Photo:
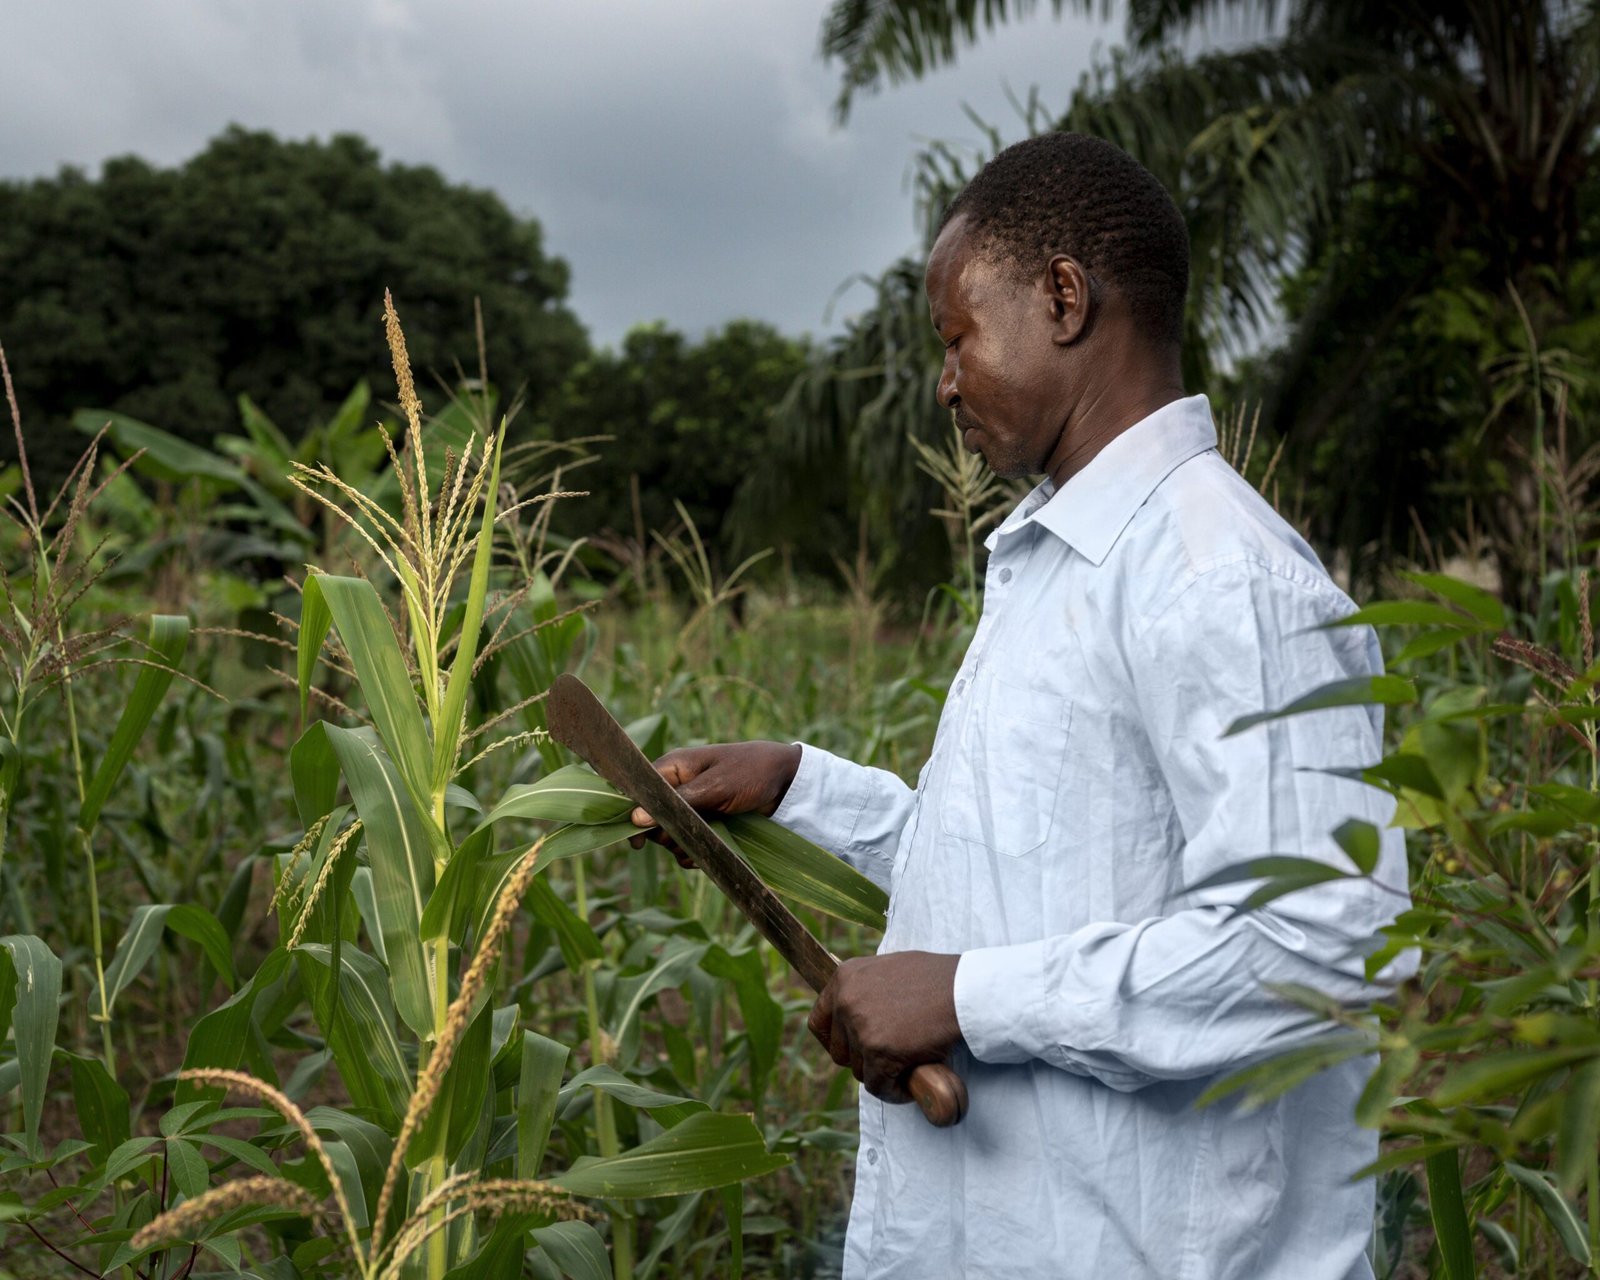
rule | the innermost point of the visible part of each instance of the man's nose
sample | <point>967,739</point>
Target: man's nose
<point>945,393</point>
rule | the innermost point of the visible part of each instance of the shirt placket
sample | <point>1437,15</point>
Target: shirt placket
<point>1008,554</point>
<point>1006,560</point>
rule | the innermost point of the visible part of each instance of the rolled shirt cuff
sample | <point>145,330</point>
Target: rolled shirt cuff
<point>998,991</point>
<point>825,803</point>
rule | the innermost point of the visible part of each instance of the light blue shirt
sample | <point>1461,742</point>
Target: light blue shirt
<point>1079,781</point>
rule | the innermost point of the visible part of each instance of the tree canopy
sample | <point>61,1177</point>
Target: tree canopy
<point>258,268</point>
<point>688,421</point>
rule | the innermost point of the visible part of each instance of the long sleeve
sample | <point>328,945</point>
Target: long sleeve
<point>1185,993</point>
<point>853,810</point>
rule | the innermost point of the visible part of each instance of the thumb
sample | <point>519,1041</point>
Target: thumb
<point>678,768</point>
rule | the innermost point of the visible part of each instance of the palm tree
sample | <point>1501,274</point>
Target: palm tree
<point>1348,178</point>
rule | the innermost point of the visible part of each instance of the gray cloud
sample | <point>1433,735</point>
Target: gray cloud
<point>681,156</point>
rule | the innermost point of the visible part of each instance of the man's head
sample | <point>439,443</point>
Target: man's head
<point>1062,261</point>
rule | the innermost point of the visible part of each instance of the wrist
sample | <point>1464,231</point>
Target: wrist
<point>786,775</point>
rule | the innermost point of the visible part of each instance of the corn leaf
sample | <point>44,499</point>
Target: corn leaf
<point>538,1086</point>
<point>572,794</point>
<point>368,1144</point>
<point>349,1173</point>
<point>169,638</point>
<point>1451,1226</point>
<point>1488,1077</point>
<point>450,904</point>
<point>1357,691</point>
<point>807,873</point>
<point>453,1116</point>
<point>314,772</point>
<point>789,864</point>
<point>399,848</point>
<point>1483,605</point>
<point>576,938</point>
<point>1579,1131</point>
<point>1414,613</point>
<point>1553,1205</point>
<point>707,1150</point>
<point>576,1248</point>
<point>669,1108</point>
<point>567,842</point>
<point>359,1027</point>
<point>315,621</point>
<point>381,671</point>
<point>139,943</point>
<point>219,1038</point>
<point>1430,642</point>
<point>31,974</point>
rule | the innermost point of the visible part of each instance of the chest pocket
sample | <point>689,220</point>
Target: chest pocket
<point>1001,787</point>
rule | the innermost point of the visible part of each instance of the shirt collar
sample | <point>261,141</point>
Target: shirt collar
<point>1092,509</point>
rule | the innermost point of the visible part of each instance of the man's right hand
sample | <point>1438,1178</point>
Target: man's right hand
<point>724,779</point>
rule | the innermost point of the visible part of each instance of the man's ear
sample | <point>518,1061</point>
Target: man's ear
<point>1071,299</point>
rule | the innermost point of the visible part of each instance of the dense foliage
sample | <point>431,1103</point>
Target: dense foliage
<point>462,1037</point>
<point>252,269</point>
<point>677,422</point>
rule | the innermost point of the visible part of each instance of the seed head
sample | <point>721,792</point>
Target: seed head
<point>280,1102</point>
<point>455,1026</point>
<point>181,1222</point>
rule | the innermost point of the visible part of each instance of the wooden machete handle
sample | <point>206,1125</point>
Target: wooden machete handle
<point>940,1093</point>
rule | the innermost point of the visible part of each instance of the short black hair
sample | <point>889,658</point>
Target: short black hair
<point>1080,195</point>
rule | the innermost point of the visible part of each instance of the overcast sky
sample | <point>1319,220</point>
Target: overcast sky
<point>681,154</point>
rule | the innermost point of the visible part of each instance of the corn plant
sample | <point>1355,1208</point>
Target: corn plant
<point>395,907</point>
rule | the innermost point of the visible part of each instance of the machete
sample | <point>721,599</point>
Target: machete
<point>579,721</point>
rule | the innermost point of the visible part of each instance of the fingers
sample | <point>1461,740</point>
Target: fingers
<point>881,1083</point>
<point>679,768</point>
<point>843,1021</point>
<point>820,1023</point>
<point>834,1033</point>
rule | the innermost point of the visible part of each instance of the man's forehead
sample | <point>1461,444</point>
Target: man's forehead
<point>947,260</point>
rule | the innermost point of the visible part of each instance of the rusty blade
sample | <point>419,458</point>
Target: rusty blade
<point>580,722</point>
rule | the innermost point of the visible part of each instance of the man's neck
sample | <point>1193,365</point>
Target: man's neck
<point>1118,400</point>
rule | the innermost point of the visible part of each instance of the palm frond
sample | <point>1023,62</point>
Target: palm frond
<point>898,40</point>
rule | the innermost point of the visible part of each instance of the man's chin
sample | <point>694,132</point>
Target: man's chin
<point>1009,468</point>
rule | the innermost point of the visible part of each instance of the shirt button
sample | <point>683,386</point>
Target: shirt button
<point>1005,575</point>
<point>872,1155</point>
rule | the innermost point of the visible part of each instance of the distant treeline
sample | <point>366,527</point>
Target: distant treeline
<point>257,269</point>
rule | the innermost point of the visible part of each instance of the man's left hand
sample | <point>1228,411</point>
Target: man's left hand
<point>883,1015</point>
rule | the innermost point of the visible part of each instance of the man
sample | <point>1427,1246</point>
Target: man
<point>1043,934</point>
